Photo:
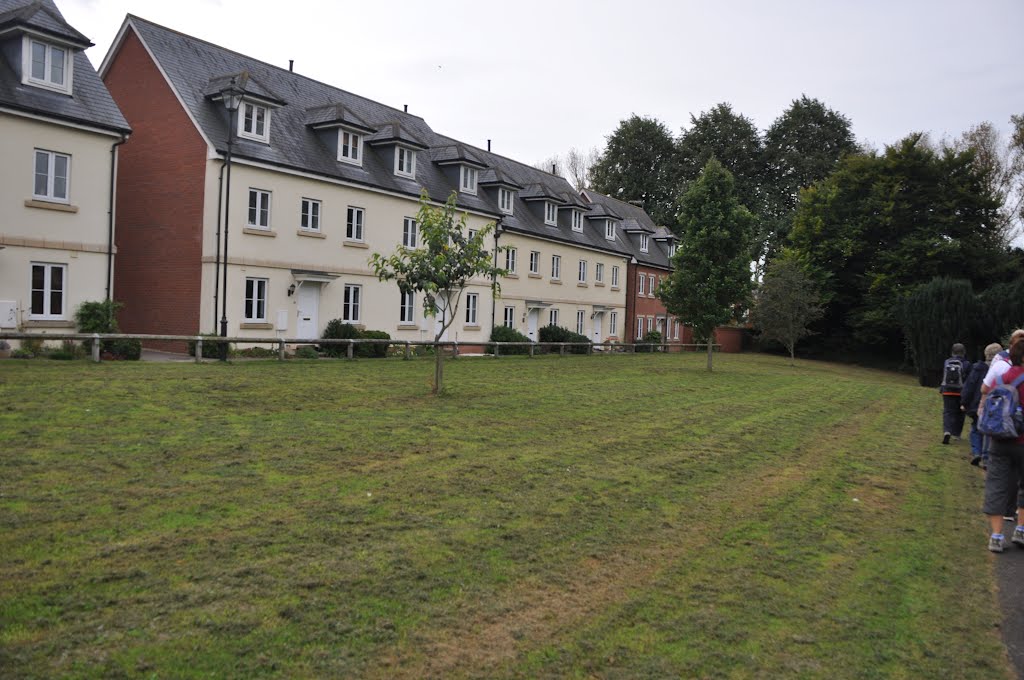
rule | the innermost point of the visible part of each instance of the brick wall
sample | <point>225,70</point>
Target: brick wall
<point>160,188</point>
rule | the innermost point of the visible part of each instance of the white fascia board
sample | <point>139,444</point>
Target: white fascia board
<point>60,121</point>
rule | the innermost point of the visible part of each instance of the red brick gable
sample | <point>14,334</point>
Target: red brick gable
<point>160,194</point>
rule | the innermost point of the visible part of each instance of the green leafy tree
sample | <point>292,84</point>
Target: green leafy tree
<point>638,165</point>
<point>934,316</point>
<point>880,225</point>
<point>786,302</point>
<point>441,267</point>
<point>712,263</point>
<point>801,147</point>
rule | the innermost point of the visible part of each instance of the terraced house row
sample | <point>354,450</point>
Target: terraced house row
<point>277,241</point>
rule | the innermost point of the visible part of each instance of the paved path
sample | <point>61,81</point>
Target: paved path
<point>1010,577</point>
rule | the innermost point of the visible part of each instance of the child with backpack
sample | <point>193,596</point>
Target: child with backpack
<point>1001,418</point>
<point>954,372</point>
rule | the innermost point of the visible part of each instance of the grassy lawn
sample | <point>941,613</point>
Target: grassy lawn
<point>624,516</point>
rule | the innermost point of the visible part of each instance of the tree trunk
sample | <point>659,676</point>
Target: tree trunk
<point>438,368</point>
<point>710,346</point>
<point>792,354</point>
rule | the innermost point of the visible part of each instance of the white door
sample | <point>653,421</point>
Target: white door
<point>307,299</point>
<point>598,323</point>
<point>531,324</point>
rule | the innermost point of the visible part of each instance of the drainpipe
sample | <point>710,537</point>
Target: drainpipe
<point>494,278</point>
<point>110,212</point>
<point>216,265</point>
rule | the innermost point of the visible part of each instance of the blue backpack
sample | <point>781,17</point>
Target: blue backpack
<point>1001,415</point>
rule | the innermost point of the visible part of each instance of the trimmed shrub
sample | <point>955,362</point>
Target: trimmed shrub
<point>338,330</point>
<point>211,346</point>
<point>257,353</point>
<point>306,352</point>
<point>652,337</point>
<point>559,334</point>
<point>128,349</point>
<point>376,350</point>
<point>506,334</point>
<point>934,316</point>
<point>98,317</point>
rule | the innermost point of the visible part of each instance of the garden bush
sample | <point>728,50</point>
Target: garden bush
<point>306,352</point>
<point>506,334</point>
<point>211,346</point>
<point>652,338</point>
<point>376,350</point>
<point>558,334</point>
<point>340,330</point>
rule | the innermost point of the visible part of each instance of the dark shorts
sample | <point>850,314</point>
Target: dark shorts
<point>1005,464</point>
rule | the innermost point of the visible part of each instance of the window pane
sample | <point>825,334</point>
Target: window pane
<point>38,61</point>
<point>252,207</point>
<point>60,176</point>
<point>261,119</point>
<point>42,173</point>
<point>57,65</point>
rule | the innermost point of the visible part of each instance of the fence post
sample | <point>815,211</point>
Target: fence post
<point>280,350</point>
<point>590,349</point>
<point>96,347</point>
<point>531,350</point>
<point>455,350</point>
<point>561,349</point>
<point>406,350</point>
<point>497,350</point>
<point>349,352</point>
<point>199,349</point>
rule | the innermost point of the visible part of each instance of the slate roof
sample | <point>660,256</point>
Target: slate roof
<point>89,103</point>
<point>192,64</point>
<point>636,222</point>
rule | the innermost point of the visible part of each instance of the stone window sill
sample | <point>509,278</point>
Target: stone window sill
<point>50,205</point>
<point>536,276</point>
<point>582,285</point>
<point>511,275</point>
<point>599,283</point>
<point>48,323</point>
<point>471,327</point>
<point>354,244</point>
<point>557,282</point>
<point>309,233</point>
<point>260,326</point>
<point>259,232</point>
<point>408,327</point>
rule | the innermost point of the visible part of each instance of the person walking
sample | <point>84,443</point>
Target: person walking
<point>954,370</point>
<point>1005,463</point>
<point>970,398</point>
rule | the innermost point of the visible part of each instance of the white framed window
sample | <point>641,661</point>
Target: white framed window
<point>351,307</point>
<point>580,320</point>
<point>310,215</point>
<point>535,262</point>
<point>510,260</point>
<point>467,179</point>
<point>49,281</point>
<point>675,325</point>
<point>552,317</point>
<point>613,323</point>
<point>650,324</point>
<point>550,214</point>
<point>599,272</point>
<point>46,65</point>
<point>410,233</point>
<point>609,230</point>
<point>556,267</point>
<point>472,301</point>
<point>254,122</point>
<point>51,176</point>
<point>643,243</point>
<point>615,277</point>
<point>577,221</point>
<point>471,233</point>
<point>650,286</point>
<point>350,147</point>
<point>505,201</point>
<point>660,325</point>
<point>582,278</point>
<point>671,249</point>
<point>639,327</point>
<point>259,209</point>
<point>642,285</point>
<point>255,300</point>
<point>354,224</point>
<point>510,317</point>
<point>405,162</point>
<point>407,306</point>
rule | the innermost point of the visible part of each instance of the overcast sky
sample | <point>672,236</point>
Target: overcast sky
<point>540,77</point>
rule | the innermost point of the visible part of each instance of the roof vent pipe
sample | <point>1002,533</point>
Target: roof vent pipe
<point>488,146</point>
<point>291,65</point>
<point>406,108</point>
<point>553,169</point>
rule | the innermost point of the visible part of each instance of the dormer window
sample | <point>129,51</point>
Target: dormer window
<point>609,230</point>
<point>350,147</point>
<point>505,201</point>
<point>643,243</point>
<point>551,214</point>
<point>467,180</point>
<point>405,162</point>
<point>671,249</point>
<point>254,122</point>
<point>577,221</point>
<point>46,65</point>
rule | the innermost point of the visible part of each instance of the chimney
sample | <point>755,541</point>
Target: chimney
<point>553,166</point>
<point>291,65</point>
<point>406,108</point>
<point>488,146</point>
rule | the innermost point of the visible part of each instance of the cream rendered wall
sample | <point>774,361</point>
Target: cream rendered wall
<point>72,233</point>
<point>274,253</point>
<point>565,294</point>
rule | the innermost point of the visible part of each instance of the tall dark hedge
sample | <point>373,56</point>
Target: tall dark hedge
<point>1000,312</point>
<point>936,315</point>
